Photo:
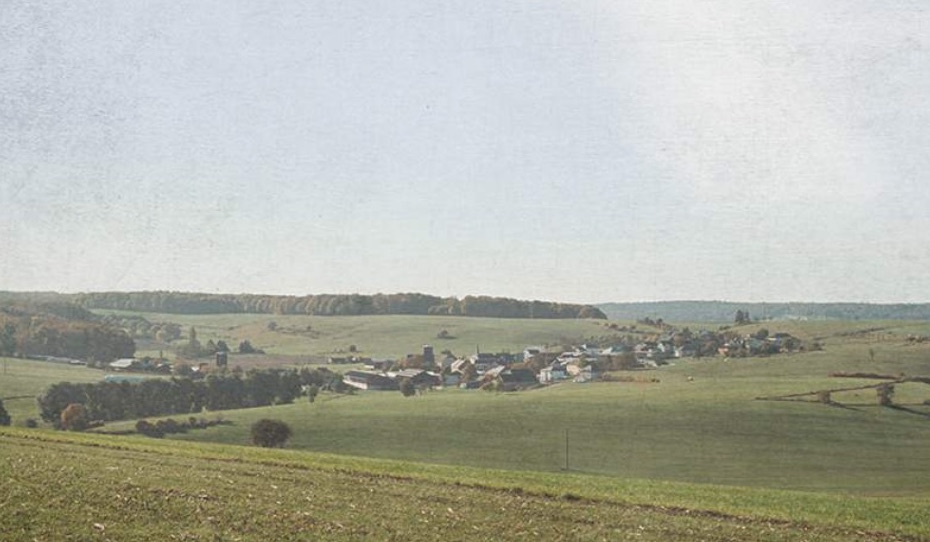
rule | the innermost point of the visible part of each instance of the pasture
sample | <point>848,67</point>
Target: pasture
<point>701,423</point>
<point>21,380</point>
<point>638,452</point>
<point>147,490</point>
<point>374,336</point>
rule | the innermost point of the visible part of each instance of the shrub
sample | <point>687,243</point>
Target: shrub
<point>74,417</point>
<point>495,385</point>
<point>270,433</point>
<point>885,394</point>
<point>170,426</point>
<point>144,427</point>
<point>31,423</point>
<point>407,388</point>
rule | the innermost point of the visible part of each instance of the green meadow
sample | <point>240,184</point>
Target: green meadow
<point>376,336</point>
<point>22,380</point>
<point>64,486</point>
<point>701,434</point>
<point>710,429</point>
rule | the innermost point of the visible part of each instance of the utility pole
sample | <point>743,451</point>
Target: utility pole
<point>566,449</point>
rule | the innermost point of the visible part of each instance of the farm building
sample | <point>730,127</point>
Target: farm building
<point>368,380</point>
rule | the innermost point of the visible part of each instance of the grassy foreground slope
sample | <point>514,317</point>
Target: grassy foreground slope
<point>86,487</point>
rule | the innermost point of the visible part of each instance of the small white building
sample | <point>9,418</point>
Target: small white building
<point>124,364</point>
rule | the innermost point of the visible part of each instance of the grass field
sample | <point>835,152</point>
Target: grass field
<point>700,423</point>
<point>84,487</point>
<point>638,453</point>
<point>22,380</point>
<point>377,336</point>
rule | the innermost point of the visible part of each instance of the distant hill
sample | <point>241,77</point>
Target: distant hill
<point>725,311</point>
<point>318,305</point>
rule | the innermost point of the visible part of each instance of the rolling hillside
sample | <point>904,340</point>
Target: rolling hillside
<point>153,491</point>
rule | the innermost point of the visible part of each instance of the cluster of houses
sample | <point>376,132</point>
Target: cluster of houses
<point>448,371</point>
<point>505,370</point>
<point>537,366</point>
<point>534,366</point>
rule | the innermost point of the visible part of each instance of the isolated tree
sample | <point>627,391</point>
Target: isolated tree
<point>74,417</point>
<point>312,391</point>
<point>245,347</point>
<point>4,415</point>
<point>885,394</point>
<point>270,433</point>
<point>407,388</point>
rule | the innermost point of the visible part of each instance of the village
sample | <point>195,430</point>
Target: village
<point>629,349</point>
<point>539,366</point>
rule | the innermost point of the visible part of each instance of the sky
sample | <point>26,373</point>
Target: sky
<point>576,151</point>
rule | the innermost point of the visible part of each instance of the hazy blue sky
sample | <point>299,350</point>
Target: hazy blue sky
<point>567,150</point>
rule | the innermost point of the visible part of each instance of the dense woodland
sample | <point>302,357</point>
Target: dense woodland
<point>60,330</point>
<point>320,305</point>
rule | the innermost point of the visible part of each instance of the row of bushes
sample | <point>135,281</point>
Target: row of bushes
<point>169,426</point>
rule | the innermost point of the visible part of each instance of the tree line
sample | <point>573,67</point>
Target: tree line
<point>723,311</point>
<point>332,305</point>
<point>110,401</point>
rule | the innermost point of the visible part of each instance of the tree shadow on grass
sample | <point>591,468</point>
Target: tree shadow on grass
<point>841,405</point>
<point>903,408</point>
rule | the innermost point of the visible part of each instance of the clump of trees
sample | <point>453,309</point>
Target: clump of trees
<point>245,347</point>
<point>108,401</point>
<point>8,340</point>
<point>269,433</point>
<point>742,318</point>
<point>35,334</point>
<point>140,328</point>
